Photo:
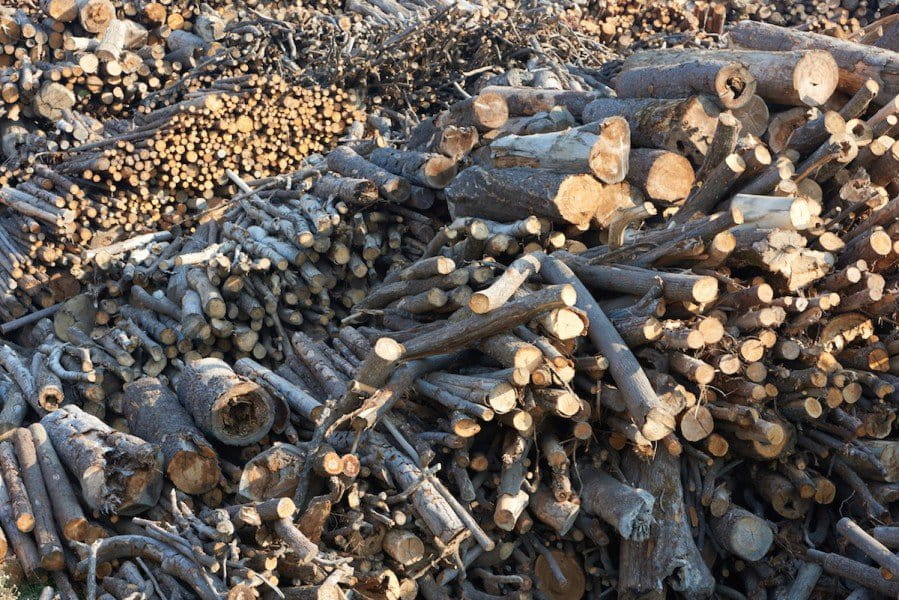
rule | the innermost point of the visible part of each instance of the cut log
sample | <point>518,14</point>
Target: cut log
<point>857,63</point>
<point>525,101</point>
<point>509,194</point>
<point>155,414</point>
<point>48,545</point>
<point>681,73</point>
<point>627,509</point>
<point>119,473</point>
<point>225,405</point>
<point>600,149</point>
<point>743,533</point>
<point>660,175</point>
<point>66,509</point>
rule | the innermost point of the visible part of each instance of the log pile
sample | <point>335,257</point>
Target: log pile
<point>547,342</point>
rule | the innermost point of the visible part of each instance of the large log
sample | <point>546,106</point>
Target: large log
<point>155,414</point>
<point>796,78</point>
<point>118,473</point>
<point>225,406</point>
<point>857,62</point>
<point>509,194</point>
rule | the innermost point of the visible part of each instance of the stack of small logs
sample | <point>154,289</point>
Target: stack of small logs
<point>559,343</point>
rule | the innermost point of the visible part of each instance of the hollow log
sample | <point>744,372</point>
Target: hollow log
<point>225,405</point>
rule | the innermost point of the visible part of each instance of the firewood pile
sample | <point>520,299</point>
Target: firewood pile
<point>574,335</point>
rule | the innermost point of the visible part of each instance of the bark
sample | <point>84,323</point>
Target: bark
<point>349,164</point>
<point>433,171</point>
<point>484,112</point>
<point>225,406</point>
<point>516,193</point>
<point>21,543</point>
<point>118,473</point>
<point>15,486</point>
<point>155,414</point>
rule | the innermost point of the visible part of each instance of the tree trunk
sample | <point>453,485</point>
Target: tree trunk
<point>49,548</point>
<point>678,74</point>
<point>669,558</point>
<point>857,63</point>
<point>627,509</point>
<point>660,175</point>
<point>66,509</point>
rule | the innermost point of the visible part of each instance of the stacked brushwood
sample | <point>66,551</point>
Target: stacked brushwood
<point>156,172</point>
<point>560,342</point>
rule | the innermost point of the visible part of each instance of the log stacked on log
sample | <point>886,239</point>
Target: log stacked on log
<point>585,379</point>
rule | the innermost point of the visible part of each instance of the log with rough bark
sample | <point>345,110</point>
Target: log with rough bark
<point>857,63</point>
<point>118,473</point>
<point>155,414</point>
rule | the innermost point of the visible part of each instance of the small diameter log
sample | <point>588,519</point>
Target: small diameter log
<point>517,193</point>
<point>155,414</point>
<point>225,405</point>
<point>685,126</point>
<point>773,212</point>
<point>15,486</point>
<point>652,418</point>
<point>119,473</point>
<point>48,545</point>
<point>678,74</point>
<point>598,148</point>
<point>505,285</point>
<point>743,533</point>
<point>857,63</point>
<point>348,163</point>
<point>66,509</point>
<point>302,547</point>
<point>403,546</point>
<point>558,515</point>
<point>377,367</point>
<point>627,509</point>
<point>872,548</point>
<point>21,543</point>
<point>660,175</point>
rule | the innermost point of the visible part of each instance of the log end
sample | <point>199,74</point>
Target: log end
<point>577,199</point>
<point>192,472</point>
<point>243,415</point>
<point>490,110</point>
<point>735,85</point>
<point>815,77</point>
<point>750,538</point>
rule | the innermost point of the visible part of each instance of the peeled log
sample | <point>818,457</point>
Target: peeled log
<point>225,405</point>
<point>119,473</point>
<point>571,151</point>
<point>154,414</point>
<point>518,193</point>
<point>685,126</point>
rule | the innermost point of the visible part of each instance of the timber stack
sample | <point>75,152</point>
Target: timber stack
<point>555,343</point>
